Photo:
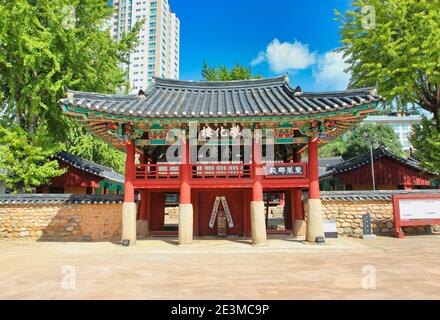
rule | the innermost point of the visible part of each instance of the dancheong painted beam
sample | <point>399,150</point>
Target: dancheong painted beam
<point>266,103</point>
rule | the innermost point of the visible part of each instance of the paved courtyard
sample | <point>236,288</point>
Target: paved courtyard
<point>221,269</point>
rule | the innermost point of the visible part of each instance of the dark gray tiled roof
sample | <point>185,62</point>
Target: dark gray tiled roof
<point>198,99</point>
<point>369,195</point>
<point>325,163</point>
<point>90,167</point>
<point>58,199</point>
<point>365,159</point>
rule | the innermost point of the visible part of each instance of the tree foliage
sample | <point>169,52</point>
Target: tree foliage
<point>23,159</point>
<point>47,45</point>
<point>395,44</point>
<point>358,141</point>
<point>222,73</point>
<point>89,147</point>
<point>426,140</point>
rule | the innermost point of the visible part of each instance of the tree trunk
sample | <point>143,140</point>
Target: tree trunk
<point>436,119</point>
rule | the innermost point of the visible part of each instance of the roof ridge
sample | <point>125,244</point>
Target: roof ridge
<point>215,84</point>
<point>365,157</point>
<point>369,90</point>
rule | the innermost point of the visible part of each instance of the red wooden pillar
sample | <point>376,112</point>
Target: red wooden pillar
<point>296,196</point>
<point>315,223</point>
<point>144,207</point>
<point>258,221</point>
<point>297,206</point>
<point>195,200</point>
<point>314,192</point>
<point>185,188</point>
<point>247,213</point>
<point>257,170</point>
<point>186,211</point>
<point>130,172</point>
<point>129,210</point>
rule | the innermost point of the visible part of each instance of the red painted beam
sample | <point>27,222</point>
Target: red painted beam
<point>130,172</point>
<point>314,192</point>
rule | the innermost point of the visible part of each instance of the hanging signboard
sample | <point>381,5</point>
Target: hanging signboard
<point>214,212</point>
<point>415,210</point>
<point>225,208</point>
<point>227,212</point>
<point>293,170</point>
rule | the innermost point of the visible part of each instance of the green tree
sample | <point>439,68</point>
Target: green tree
<point>397,46</point>
<point>91,148</point>
<point>358,141</point>
<point>426,140</point>
<point>222,73</point>
<point>47,45</point>
<point>23,160</point>
<point>335,148</point>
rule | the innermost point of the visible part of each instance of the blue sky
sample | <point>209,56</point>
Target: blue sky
<point>276,37</point>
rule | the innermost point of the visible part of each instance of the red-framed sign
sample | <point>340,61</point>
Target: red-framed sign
<point>286,170</point>
<point>415,210</point>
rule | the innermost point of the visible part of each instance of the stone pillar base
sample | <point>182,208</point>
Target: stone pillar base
<point>299,228</point>
<point>143,230</point>
<point>258,223</point>
<point>186,224</point>
<point>129,222</point>
<point>315,223</point>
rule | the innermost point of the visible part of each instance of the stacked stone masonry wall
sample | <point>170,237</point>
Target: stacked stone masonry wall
<point>68,222</point>
<point>103,222</point>
<point>348,216</point>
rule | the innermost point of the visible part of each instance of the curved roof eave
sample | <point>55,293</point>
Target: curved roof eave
<point>260,97</point>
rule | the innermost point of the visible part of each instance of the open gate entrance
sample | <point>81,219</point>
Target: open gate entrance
<point>221,212</point>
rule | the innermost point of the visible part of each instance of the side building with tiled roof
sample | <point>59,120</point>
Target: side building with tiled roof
<point>391,172</point>
<point>83,177</point>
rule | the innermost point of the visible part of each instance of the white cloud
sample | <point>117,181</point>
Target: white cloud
<point>258,59</point>
<point>330,71</point>
<point>286,56</point>
<point>328,68</point>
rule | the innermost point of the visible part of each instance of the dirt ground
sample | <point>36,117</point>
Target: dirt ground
<point>385,268</point>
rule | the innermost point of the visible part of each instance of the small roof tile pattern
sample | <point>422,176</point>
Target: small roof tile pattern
<point>90,167</point>
<point>325,163</point>
<point>202,99</point>
<point>369,195</point>
<point>12,199</point>
<point>365,159</point>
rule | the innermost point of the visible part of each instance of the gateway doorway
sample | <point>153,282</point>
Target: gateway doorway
<point>221,213</point>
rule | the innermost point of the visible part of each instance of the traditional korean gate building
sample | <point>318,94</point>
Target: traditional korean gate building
<point>245,118</point>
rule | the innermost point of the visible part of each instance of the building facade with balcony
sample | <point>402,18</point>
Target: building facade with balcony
<point>157,53</point>
<point>222,152</point>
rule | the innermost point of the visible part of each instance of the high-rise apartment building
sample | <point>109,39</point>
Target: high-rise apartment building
<point>157,53</point>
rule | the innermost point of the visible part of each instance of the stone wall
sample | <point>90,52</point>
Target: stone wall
<point>98,218</point>
<point>83,219</point>
<point>349,216</point>
<point>348,208</point>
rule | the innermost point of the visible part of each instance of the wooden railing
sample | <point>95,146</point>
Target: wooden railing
<point>221,171</point>
<point>157,171</point>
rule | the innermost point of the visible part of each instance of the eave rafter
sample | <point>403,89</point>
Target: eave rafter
<point>256,104</point>
<point>344,121</point>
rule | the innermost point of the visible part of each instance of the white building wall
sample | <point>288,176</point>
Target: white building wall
<point>153,57</point>
<point>401,125</point>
